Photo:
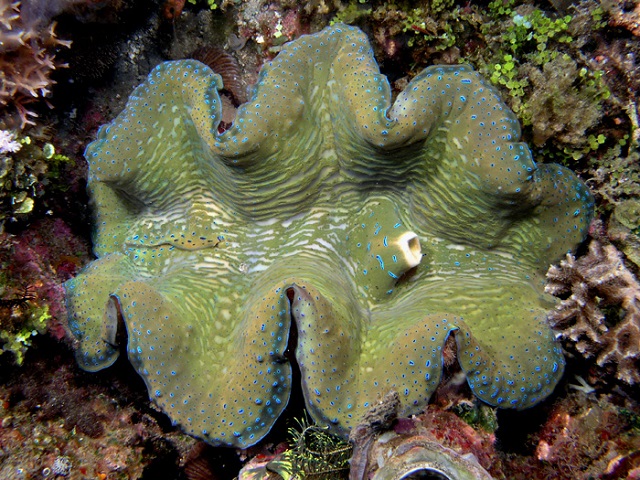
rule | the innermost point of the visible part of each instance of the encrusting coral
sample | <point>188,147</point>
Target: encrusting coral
<point>379,229</point>
<point>596,281</point>
<point>26,59</point>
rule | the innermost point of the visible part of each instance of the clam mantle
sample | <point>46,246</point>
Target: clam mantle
<point>378,229</point>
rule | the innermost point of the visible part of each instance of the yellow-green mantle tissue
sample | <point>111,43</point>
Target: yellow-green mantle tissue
<point>378,230</point>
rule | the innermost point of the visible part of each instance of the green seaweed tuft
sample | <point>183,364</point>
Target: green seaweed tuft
<point>314,453</point>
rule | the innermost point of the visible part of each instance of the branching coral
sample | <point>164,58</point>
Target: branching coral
<point>596,281</point>
<point>26,59</point>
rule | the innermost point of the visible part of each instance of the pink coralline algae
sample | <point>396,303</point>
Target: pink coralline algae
<point>588,438</point>
<point>36,261</point>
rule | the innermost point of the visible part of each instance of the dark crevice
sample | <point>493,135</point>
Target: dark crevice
<point>295,409</point>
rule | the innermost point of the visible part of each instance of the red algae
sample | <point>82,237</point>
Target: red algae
<point>53,417</point>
